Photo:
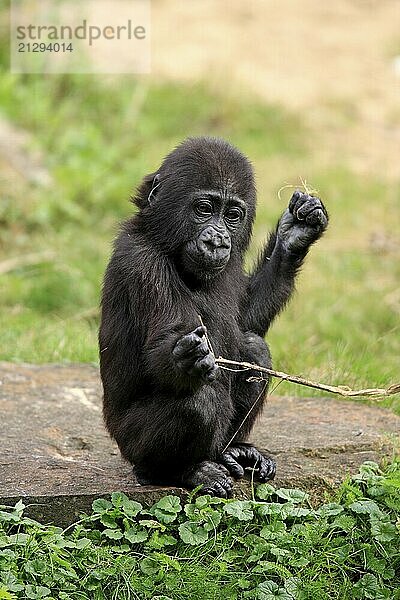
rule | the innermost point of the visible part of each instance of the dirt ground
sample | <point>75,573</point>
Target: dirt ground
<point>334,62</point>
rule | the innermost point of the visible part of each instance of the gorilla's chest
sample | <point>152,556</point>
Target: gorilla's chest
<point>222,327</point>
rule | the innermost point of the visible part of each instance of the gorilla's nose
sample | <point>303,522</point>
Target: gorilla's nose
<point>213,239</point>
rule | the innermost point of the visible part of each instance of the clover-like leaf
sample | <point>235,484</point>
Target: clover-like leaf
<point>159,540</point>
<point>19,539</point>
<point>241,509</point>
<point>113,534</point>
<point>150,566</point>
<point>117,499</point>
<point>296,511</point>
<point>192,533</point>
<point>170,504</point>
<point>131,508</point>
<point>269,590</point>
<point>212,518</point>
<point>136,534</point>
<point>344,522</point>
<point>271,508</point>
<point>272,530</point>
<point>264,491</point>
<point>167,509</point>
<point>368,585</point>
<point>329,510</point>
<point>292,495</point>
<point>383,531</point>
<point>36,591</point>
<point>83,543</point>
<point>35,567</point>
<point>152,524</point>
<point>108,520</point>
<point>101,505</point>
<point>366,507</point>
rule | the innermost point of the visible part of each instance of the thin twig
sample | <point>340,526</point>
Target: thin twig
<point>239,366</point>
<point>246,415</point>
<point>342,390</point>
<point>308,190</point>
<point>207,338</point>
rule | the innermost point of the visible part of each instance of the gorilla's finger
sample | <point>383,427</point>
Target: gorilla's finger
<point>294,199</point>
<point>233,466</point>
<point>200,331</point>
<point>212,374</point>
<point>186,343</point>
<point>316,217</point>
<point>223,469</point>
<point>298,202</point>
<point>218,490</point>
<point>199,350</point>
<point>306,208</point>
<point>226,483</point>
<point>206,364</point>
<point>267,470</point>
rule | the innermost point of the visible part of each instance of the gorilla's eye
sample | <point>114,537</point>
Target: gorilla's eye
<point>204,208</point>
<point>233,215</point>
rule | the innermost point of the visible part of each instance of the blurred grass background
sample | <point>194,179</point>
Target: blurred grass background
<point>98,136</point>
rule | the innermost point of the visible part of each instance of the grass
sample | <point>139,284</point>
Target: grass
<point>99,137</point>
<point>277,546</point>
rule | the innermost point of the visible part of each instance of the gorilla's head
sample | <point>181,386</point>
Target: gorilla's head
<point>199,206</point>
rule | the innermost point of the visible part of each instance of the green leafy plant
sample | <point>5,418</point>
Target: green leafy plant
<point>278,546</point>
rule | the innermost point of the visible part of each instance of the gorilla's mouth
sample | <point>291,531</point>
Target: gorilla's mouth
<point>204,263</point>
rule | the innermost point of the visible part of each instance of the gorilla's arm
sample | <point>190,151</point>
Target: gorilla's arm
<point>270,286</point>
<point>148,330</point>
<point>272,282</point>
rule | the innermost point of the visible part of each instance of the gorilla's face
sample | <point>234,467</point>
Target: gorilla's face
<point>215,218</point>
<point>198,208</point>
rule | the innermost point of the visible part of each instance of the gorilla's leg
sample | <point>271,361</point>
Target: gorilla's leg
<point>248,398</point>
<point>186,449</point>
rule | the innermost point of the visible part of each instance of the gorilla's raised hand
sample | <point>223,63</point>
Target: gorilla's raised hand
<point>302,223</point>
<point>193,357</point>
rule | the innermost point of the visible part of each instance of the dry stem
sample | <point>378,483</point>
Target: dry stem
<point>342,389</point>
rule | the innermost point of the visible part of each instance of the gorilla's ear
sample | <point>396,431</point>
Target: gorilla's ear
<point>147,191</point>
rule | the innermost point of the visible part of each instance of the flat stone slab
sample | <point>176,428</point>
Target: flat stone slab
<point>57,456</point>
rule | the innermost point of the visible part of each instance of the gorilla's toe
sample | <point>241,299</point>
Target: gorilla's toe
<point>213,477</point>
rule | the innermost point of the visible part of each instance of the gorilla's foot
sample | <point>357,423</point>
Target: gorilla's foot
<point>240,456</point>
<point>212,476</point>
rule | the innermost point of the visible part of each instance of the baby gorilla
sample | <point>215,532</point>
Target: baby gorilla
<point>176,416</point>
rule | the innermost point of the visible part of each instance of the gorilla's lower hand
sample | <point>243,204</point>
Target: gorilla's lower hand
<point>192,355</point>
<point>241,455</point>
<point>302,223</point>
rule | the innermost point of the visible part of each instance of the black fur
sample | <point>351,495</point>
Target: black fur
<point>171,410</point>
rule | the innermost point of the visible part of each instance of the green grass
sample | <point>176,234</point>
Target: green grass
<point>100,136</point>
<point>277,546</point>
